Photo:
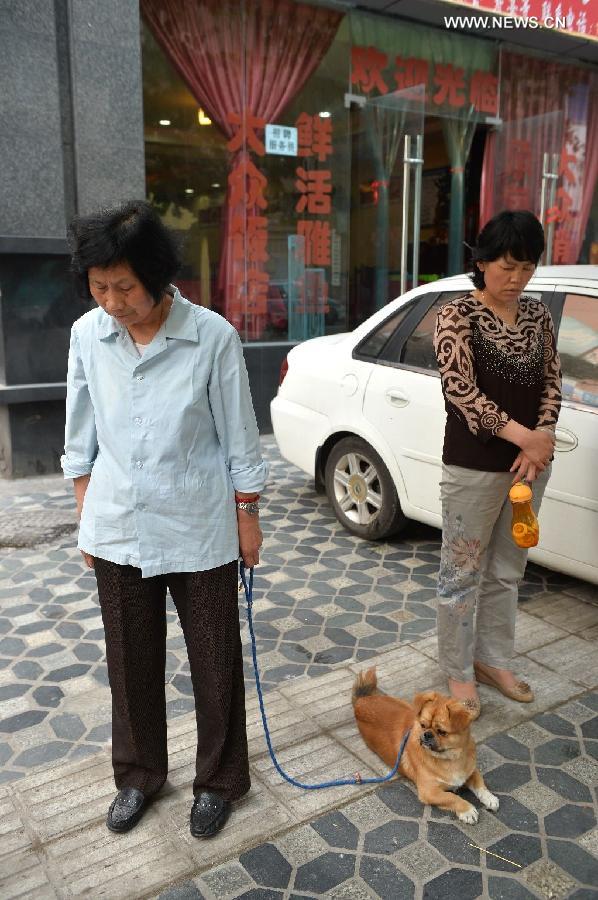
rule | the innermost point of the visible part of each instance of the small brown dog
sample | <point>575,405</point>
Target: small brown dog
<point>440,754</point>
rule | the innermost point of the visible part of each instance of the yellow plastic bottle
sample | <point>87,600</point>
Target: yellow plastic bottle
<point>524,524</point>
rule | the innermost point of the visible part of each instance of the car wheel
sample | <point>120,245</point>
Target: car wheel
<point>361,490</point>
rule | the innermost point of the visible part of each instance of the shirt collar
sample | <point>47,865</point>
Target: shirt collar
<point>108,326</point>
<point>181,322</point>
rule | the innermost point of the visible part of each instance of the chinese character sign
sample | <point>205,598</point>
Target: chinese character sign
<point>367,65</point>
<point>313,184</point>
<point>515,175</point>
<point>450,88</point>
<point>281,140</point>
<point>246,303</point>
<point>566,210</point>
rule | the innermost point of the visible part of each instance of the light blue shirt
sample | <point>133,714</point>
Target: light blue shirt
<point>167,437</point>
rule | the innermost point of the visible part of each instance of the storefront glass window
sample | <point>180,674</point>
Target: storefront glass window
<point>186,170</point>
<point>275,136</point>
<point>246,137</point>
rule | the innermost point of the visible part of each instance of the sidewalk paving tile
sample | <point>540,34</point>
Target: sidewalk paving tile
<point>563,611</point>
<point>125,866</point>
<point>256,817</point>
<point>14,836</point>
<point>326,606</point>
<point>575,657</point>
<point>27,877</point>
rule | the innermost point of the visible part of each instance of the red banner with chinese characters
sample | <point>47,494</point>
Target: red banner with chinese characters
<point>514,182</point>
<point>314,186</point>
<point>547,109</point>
<point>448,86</point>
<point>566,211</point>
<point>248,281</point>
<point>575,17</point>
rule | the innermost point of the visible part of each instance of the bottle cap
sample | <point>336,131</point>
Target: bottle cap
<point>520,493</point>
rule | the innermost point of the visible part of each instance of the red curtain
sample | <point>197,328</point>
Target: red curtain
<point>532,103</point>
<point>591,169</point>
<point>241,57</point>
<point>532,88</point>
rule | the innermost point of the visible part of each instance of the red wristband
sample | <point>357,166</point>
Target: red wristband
<point>252,498</point>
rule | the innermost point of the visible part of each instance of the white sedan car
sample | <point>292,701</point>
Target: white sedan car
<point>363,414</point>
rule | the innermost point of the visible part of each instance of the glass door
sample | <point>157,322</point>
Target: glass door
<point>526,171</point>
<point>388,158</point>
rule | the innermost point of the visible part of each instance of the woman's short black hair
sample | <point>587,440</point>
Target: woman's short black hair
<point>132,233</point>
<point>515,232</point>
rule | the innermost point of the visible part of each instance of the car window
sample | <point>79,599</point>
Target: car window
<point>377,340</point>
<point>418,349</point>
<point>578,348</point>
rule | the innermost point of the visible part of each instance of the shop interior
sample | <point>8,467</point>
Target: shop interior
<point>187,166</point>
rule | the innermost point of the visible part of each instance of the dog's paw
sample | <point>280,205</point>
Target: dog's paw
<point>470,816</point>
<point>488,800</point>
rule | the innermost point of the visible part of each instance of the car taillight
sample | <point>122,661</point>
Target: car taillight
<point>284,368</point>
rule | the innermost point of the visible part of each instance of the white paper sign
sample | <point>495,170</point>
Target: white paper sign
<point>281,140</point>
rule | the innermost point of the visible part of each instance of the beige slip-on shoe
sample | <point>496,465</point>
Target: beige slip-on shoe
<point>521,691</point>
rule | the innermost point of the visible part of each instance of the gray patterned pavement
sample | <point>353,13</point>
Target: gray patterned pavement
<point>325,603</point>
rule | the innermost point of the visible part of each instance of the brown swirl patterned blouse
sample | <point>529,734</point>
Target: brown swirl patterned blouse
<point>492,372</point>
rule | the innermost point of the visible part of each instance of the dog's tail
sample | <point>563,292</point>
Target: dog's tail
<point>365,684</point>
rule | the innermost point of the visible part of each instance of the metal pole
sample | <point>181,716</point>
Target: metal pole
<point>405,229</point>
<point>543,190</point>
<point>417,202</point>
<point>553,178</point>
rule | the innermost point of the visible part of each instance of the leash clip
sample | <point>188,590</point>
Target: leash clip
<point>357,777</point>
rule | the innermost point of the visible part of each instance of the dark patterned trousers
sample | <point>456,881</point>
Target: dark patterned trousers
<point>134,615</point>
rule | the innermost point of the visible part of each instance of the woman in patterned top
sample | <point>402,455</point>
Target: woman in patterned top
<point>501,381</point>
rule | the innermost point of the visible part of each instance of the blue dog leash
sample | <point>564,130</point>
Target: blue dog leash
<point>357,779</point>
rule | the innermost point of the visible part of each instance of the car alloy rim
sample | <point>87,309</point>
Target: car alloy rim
<point>357,488</point>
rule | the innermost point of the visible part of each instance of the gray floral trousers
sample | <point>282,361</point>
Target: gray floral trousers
<point>480,570</point>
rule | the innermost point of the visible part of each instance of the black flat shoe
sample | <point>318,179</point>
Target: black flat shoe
<point>208,814</point>
<point>126,809</point>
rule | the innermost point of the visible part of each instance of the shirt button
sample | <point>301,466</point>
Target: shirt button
<point>139,464</point>
<point>141,506</point>
<point>137,420</point>
<point>139,377</point>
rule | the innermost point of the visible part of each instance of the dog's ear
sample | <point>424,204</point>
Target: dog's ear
<point>460,718</point>
<point>420,700</point>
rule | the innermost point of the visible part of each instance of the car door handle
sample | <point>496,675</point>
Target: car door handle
<point>565,440</point>
<point>397,398</point>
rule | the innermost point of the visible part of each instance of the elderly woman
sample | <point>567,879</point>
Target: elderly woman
<point>501,381</point>
<point>163,447</point>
